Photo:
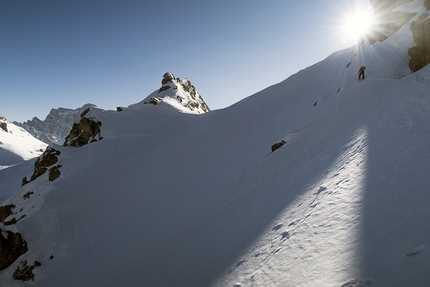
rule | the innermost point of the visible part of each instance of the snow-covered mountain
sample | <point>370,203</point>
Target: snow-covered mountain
<point>16,144</point>
<point>56,125</point>
<point>320,180</point>
<point>178,93</point>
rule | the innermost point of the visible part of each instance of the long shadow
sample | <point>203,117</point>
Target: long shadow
<point>395,237</point>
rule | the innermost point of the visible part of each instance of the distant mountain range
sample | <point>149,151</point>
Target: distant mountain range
<point>179,93</point>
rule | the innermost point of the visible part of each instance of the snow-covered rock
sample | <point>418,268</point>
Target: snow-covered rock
<point>177,93</point>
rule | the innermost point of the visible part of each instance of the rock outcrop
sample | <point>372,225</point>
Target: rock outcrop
<point>427,4</point>
<point>386,21</point>
<point>44,163</point>
<point>3,126</point>
<point>12,246</point>
<point>420,54</point>
<point>85,132</point>
<point>24,271</point>
<point>278,145</point>
<point>56,125</point>
<point>179,93</point>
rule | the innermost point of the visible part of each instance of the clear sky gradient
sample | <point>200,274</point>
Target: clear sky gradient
<point>114,53</point>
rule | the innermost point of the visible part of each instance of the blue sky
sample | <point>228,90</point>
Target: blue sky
<point>114,53</point>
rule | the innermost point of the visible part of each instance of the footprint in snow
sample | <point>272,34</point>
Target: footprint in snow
<point>277,227</point>
<point>239,263</point>
<point>285,235</point>
<point>358,282</point>
<point>415,250</point>
<point>321,189</point>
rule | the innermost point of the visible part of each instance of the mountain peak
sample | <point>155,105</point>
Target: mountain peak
<point>178,93</point>
<point>56,125</point>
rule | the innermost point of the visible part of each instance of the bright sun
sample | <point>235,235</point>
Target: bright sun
<point>357,24</point>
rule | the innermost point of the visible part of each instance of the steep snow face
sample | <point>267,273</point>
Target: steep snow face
<point>16,144</point>
<point>173,199</point>
<point>56,126</point>
<point>177,93</point>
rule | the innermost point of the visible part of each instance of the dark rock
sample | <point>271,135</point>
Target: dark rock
<point>47,159</point>
<point>278,145</point>
<point>167,77</point>
<point>420,54</point>
<point>163,88</point>
<point>152,101</point>
<point>6,211</point>
<point>85,132</point>
<point>427,4</point>
<point>54,173</point>
<point>27,195</point>
<point>24,272</point>
<point>119,109</point>
<point>4,127</point>
<point>11,248</point>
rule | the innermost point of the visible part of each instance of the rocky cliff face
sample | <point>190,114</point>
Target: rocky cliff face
<point>387,21</point>
<point>390,21</point>
<point>420,54</point>
<point>56,126</point>
<point>179,93</point>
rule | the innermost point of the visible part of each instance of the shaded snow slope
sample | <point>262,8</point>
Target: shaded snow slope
<point>16,144</point>
<point>176,199</point>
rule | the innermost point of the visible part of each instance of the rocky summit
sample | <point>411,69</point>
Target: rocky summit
<point>177,93</point>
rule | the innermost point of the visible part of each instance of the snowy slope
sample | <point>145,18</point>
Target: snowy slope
<point>16,144</point>
<point>177,199</point>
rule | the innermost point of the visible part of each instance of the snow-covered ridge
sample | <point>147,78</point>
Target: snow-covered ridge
<point>320,180</point>
<point>177,93</point>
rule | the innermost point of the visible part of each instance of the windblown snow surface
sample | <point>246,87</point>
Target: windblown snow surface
<point>175,199</point>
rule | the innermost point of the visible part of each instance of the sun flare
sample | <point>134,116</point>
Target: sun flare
<point>357,24</point>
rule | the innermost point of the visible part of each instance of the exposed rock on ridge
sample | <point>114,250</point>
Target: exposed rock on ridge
<point>3,124</point>
<point>45,161</point>
<point>85,132</point>
<point>420,54</point>
<point>11,248</point>
<point>56,126</point>
<point>388,22</point>
<point>181,91</point>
